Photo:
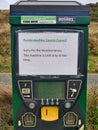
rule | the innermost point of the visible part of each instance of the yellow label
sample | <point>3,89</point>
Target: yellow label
<point>50,113</point>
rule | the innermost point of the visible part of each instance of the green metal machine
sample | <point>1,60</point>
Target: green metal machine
<point>49,42</point>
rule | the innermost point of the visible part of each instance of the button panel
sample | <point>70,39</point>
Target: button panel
<point>25,87</point>
<point>73,88</point>
<point>50,102</point>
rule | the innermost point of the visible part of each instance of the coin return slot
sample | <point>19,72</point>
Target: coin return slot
<point>70,119</point>
<point>29,120</point>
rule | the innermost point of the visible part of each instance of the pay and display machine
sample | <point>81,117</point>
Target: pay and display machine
<point>49,43</point>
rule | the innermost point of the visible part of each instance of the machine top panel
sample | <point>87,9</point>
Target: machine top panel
<point>68,8</point>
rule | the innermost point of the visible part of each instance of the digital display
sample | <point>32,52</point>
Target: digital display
<point>48,53</point>
<point>50,90</point>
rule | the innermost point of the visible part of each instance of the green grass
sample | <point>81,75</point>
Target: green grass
<point>94,11</point>
<point>92,112</point>
<point>93,64</point>
<point>5,107</point>
<point>5,64</point>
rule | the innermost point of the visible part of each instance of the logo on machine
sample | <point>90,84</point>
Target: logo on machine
<point>66,19</point>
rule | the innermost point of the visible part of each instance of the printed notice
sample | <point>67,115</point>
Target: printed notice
<point>48,53</point>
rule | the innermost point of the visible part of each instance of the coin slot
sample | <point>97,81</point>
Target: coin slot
<point>46,112</point>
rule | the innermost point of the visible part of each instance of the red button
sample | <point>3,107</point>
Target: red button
<point>32,105</point>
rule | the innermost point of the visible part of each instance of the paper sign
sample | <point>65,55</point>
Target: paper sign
<point>48,53</point>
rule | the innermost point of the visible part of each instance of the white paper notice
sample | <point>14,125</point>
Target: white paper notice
<point>46,53</point>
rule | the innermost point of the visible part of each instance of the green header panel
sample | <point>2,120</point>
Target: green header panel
<point>67,20</point>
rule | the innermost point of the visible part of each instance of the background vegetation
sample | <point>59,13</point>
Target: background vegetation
<point>5,59</point>
<point>93,39</point>
<point>94,12</point>
<point>92,112</point>
<point>93,48</point>
<point>6,119</point>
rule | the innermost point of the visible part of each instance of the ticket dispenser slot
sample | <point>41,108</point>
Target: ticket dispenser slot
<point>49,64</point>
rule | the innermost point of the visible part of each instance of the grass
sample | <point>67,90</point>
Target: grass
<point>6,107</point>
<point>5,59</point>
<point>93,39</point>
<point>93,64</point>
<point>93,48</point>
<point>5,64</point>
<point>94,11</point>
<point>92,112</point>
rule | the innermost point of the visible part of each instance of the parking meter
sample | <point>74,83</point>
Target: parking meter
<point>49,43</point>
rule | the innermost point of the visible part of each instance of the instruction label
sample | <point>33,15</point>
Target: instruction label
<point>48,53</point>
<point>38,19</point>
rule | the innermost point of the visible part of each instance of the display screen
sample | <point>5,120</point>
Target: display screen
<point>49,90</point>
<point>48,53</point>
